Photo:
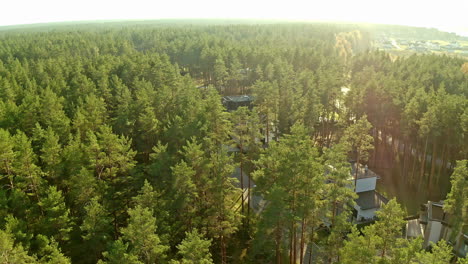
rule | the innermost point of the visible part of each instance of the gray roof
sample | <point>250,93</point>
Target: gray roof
<point>370,199</point>
<point>245,178</point>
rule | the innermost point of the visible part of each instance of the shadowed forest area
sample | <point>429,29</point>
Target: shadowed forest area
<point>115,146</point>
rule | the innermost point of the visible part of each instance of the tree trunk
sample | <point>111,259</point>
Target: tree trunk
<point>330,138</point>
<point>278,245</point>
<point>276,135</point>
<point>376,143</point>
<point>292,246</point>
<point>316,135</point>
<point>443,162</point>
<point>10,176</point>
<point>267,129</point>
<point>301,257</point>
<point>384,249</point>
<point>311,242</point>
<point>290,243</point>
<point>34,187</point>
<point>392,150</point>
<point>330,128</point>
<point>433,162</point>
<point>357,170</point>
<point>322,136</point>
<point>223,250</point>
<point>333,214</point>
<point>241,175</point>
<point>403,166</point>
<point>295,244</point>
<point>116,228</point>
<point>384,147</point>
<point>423,163</point>
<point>414,158</point>
<point>249,197</point>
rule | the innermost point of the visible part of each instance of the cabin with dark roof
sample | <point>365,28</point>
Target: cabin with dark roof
<point>232,102</point>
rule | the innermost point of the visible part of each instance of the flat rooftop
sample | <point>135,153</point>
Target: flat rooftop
<point>363,172</point>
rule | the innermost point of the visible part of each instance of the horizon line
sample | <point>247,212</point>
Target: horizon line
<point>463,33</point>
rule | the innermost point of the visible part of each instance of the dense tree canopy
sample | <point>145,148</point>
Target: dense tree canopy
<point>115,146</point>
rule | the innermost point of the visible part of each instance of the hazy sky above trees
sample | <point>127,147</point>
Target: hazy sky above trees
<point>448,14</point>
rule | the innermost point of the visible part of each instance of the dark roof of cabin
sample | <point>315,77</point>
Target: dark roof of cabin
<point>370,199</point>
<point>238,98</point>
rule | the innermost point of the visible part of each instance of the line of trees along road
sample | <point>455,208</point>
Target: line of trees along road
<point>109,153</point>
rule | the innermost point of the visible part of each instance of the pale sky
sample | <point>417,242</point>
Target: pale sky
<point>447,14</point>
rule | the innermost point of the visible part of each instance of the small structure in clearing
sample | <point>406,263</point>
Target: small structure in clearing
<point>232,102</point>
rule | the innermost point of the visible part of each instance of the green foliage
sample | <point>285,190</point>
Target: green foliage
<point>195,249</point>
<point>246,132</point>
<point>82,188</point>
<point>12,253</point>
<point>96,229</point>
<point>441,253</point>
<point>117,253</point>
<point>339,196</point>
<point>7,156</point>
<point>51,154</point>
<point>266,102</point>
<point>19,230</point>
<point>147,197</point>
<point>359,249</point>
<point>56,222</point>
<point>290,167</point>
<point>141,233</point>
<point>357,138</point>
<point>389,226</point>
<point>97,119</point>
<point>110,155</point>
<point>52,114</point>
<point>49,251</point>
<point>406,250</point>
<point>382,241</point>
<point>90,115</point>
<point>27,172</point>
<point>457,199</point>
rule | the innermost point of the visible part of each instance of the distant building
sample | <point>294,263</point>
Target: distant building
<point>232,102</point>
<point>433,46</point>
<point>455,44</point>
<point>388,46</point>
